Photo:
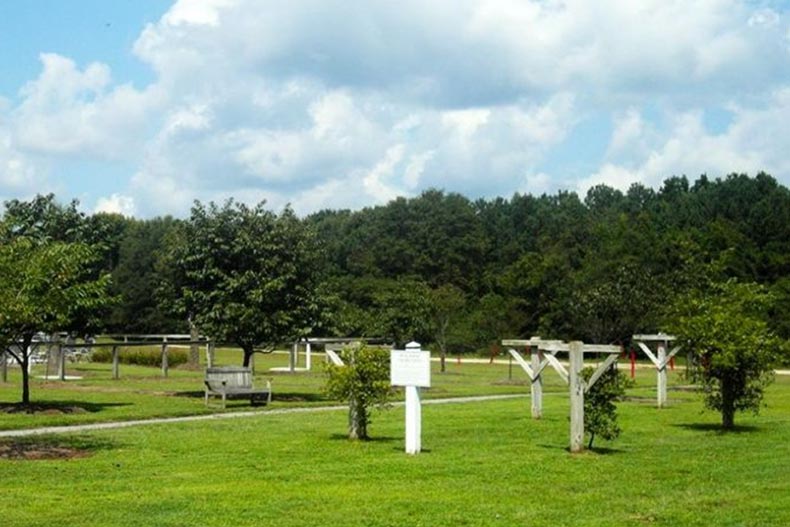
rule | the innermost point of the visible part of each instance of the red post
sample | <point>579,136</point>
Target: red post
<point>633,364</point>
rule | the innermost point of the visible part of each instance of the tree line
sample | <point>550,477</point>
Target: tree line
<point>439,268</point>
<point>453,273</point>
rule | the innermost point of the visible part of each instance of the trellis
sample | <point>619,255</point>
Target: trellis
<point>660,360</point>
<point>543,353</point>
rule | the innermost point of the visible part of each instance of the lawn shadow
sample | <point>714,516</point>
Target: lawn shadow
<point>297,397</point>
<point>600,450</point>
<point>374,439</point>
<point>289,397</point>
<point>190,394</point>
<point>716,427</point>
<point>57,407</point>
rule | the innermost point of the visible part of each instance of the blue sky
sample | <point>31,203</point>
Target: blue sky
<point>142,106</point>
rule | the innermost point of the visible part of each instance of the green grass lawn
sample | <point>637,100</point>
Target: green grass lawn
<point>485,463</point>
<point>142,392</point>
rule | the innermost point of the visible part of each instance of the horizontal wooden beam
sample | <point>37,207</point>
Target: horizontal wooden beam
<point>661,337</point>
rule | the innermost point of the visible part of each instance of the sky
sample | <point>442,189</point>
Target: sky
<point>141,107</point>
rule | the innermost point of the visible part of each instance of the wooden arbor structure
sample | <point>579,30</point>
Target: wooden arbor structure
<point>542,353</point>
<point>660,359</point>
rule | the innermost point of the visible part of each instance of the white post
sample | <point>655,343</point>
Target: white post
<point>307,358</point>
<point>292,357</point>
<point>576,359</point>
<point>413,413</point>
<point>413,420</point>
<point>536,387</point>
<point>661,355</point>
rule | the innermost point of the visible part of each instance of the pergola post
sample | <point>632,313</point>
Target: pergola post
<point>536,386</point>
<point>576,384</point>
<point>660,360</point>
<point>210,353</point>
<point>164,357</point>
<point>115,363</point>
<point>661,381</point>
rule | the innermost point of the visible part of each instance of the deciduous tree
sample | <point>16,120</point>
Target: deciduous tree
<point>245,275</point>
<point>725,327</point>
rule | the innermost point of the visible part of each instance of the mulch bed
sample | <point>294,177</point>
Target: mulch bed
<point>43,409</point>
<point>32,451</point>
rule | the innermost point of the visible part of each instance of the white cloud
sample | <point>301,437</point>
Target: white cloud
<point>77,112</point>
<point>375,181</point>
<point>116,204</point>
<point>327,103</point>
<point>754,141</point>
<point>196,12</point>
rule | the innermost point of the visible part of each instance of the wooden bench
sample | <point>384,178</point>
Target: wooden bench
<point>235,382</point>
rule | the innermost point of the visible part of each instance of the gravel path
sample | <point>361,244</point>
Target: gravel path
<point>72,429</point>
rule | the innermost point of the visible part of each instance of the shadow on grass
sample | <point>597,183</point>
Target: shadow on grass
<point>57,407</point>
<point>716,427</point>
<point>374,439</point>
<point>600,450</point>
<point>290,397</point>
<point>52,447</point>
<point>296,397</point>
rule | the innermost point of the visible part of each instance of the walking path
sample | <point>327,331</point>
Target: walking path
<point>72,429</point>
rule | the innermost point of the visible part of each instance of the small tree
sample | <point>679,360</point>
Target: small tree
<point>725,330</point>
<point>600,412</point>
<point>363,381</point>
<point>45,287</point>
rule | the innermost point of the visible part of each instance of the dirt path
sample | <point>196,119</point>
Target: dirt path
<point>74,429</point>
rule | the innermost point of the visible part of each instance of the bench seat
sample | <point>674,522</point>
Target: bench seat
<point>235,382</point>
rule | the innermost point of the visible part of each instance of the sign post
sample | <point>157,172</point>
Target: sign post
<point>411,368</point>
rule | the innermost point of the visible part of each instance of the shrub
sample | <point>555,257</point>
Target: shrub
<point>363,381</point>
<point>142,356</point>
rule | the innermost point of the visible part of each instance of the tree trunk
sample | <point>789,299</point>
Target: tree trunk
<point>26,341</point>
<point>727,404</point>
<point>590,444</point>
<point>25,379</point>
<point>248,351</point>
<point>443,360</point>
<point>357,420</point>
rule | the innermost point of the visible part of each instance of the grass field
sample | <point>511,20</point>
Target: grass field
<point>484,463</point>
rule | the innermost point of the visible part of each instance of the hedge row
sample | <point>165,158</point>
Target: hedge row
<point>141,356</point>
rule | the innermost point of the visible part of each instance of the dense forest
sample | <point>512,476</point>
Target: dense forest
<point>462,274</point>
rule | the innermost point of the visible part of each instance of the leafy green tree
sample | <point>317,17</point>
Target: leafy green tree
<point>45,287</point>
<point>244,275</point>
<point>725,328</point>
<point>600,411</point>
<point>402,311</point>
<point>44,219</point>
<point>447,304</point>
<point>138,275</point>
<point>363,381</point>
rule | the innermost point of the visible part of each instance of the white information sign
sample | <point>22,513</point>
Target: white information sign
<point>410,368</point>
